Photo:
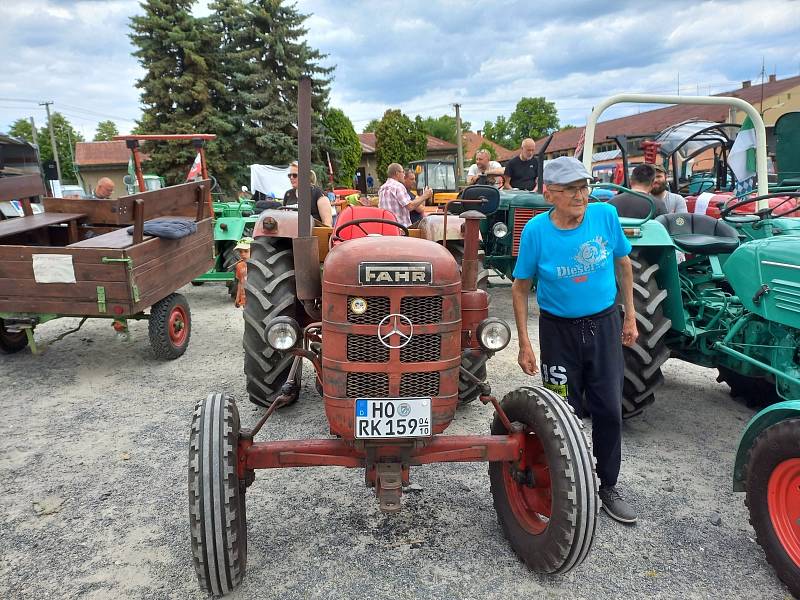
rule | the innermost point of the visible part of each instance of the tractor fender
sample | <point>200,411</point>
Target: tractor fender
<point>231,228</point>
<point>278,223</point>
<point>431,227</point>
<point>771,415</point>
<point>652,233</point>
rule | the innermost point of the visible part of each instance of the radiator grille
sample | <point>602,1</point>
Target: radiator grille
<point>419,384</point>
<point>377,308</point>
<point>422,348</point>
<point>422,309</point>
<point>366,348</point>
<point>521,217</point>
<point>367,385</point>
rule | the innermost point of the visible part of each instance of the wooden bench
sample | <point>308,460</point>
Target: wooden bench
<point>36,222</point>
<point>115,239</point>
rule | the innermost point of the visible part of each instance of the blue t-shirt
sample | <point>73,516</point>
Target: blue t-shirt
<point>574,267</point>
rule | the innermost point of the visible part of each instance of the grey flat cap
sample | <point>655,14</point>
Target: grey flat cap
<point>564,170</point>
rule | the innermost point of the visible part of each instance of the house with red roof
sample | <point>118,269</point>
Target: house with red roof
<point>94,160</point>
<point>437,149</point>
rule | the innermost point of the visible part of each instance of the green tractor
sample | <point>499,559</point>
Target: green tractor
<point>733,304</point>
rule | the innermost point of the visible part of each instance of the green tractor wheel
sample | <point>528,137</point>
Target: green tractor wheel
<point>644,359</point>
<point>270,292</point>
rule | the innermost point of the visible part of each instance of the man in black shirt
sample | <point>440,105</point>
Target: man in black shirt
<point>636,207</point>
<point>522,170</point>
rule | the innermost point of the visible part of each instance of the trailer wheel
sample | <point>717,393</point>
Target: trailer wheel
<point>547,501</point>
<point>468,390</point>
<point>217,516</point>
<point>644,359</point>
<point>270,292</point>
<point>773,498</point>
<point>170,326</point>
<point>11,342</point>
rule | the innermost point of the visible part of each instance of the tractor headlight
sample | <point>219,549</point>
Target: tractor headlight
<point>500,229</point>
<point>283,333</point>
<point>494,334</point>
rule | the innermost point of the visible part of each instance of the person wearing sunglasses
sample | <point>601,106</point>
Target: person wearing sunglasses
<point>578,253</point>
<point>320,205</point>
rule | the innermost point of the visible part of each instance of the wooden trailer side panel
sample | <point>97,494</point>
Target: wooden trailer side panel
<point>100,288</point>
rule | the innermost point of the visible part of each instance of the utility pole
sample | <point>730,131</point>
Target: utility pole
<point>52,137</point>
<point>34,135</point>
<point>761,104</point>
<point>460,149</point>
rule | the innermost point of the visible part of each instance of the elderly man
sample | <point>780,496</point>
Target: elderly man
<point>578,253</point>
<point>483,169</point>
<point>674,203</point>
<point>634,206</point>
<point>522,170</point>
<point>103,189</point>
<point>410,181</point>
<point>394,197</point>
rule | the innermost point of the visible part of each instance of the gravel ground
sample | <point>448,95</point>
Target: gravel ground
<point>93,450</point>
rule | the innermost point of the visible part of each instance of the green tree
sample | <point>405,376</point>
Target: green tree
<point>106,130</point>
<point>398,139</point>
<point>565,127</point>
<point>66,138</point>
<point>345,147</point>
<point>371,126</point>
<point>499,132</point>
<point>443,127</point>
<point>532,117</point>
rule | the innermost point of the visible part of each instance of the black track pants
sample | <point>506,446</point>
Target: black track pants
<point>581,360</point>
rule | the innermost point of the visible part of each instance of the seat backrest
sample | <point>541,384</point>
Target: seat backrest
<point>352,213</point>
<point>489,195</point>
<point>693,223</point>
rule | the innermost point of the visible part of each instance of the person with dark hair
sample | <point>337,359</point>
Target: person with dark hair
<point>410,181</point>
<point>675,203</point>
<point>634,206</point>
<point>320,205</point>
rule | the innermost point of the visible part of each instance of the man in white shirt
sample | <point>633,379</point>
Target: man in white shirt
<point>483,169</point>
<point>675,203</point>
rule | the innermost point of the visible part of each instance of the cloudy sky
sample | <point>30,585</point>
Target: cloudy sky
<point>423,56</point>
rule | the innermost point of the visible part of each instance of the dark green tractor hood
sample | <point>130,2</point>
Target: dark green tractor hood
<point>521,199</point>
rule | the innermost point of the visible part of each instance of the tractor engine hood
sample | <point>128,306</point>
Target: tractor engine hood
<point>390,261</point>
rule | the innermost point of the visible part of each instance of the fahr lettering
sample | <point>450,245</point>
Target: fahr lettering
<point>395,276</point>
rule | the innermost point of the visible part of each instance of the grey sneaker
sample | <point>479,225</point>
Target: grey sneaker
<point>615,506</point>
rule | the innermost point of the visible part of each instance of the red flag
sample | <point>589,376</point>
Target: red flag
<point>581,140</point>
<point>196,169</point>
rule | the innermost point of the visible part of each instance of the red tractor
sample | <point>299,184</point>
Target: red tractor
<point>385,326</point>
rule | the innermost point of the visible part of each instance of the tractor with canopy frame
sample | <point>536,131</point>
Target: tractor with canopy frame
<point>385,325</point>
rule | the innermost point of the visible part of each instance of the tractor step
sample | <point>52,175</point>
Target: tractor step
<point>389,486</point>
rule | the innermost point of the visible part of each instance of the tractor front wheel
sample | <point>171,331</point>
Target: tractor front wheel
<point>170,326</point>
<point>217,517</point>
<point>546,501</point>
<point>773,498</point>
<point>11,342</point>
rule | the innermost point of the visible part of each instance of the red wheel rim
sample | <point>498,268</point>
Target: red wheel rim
<point>178,326</point>
<point>531,501</point>
<point>783,501</point>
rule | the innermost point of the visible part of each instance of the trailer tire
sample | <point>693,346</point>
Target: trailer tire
<point>468,390</point>
<point>217,515</point>
<point>550,526</point>
<point>772,476</point>
<point>170,326</point>
<point>643,360</point>
<point>270,293</point>
<point>11,342</point>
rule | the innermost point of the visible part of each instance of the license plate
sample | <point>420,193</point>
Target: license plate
<point>393,417</point>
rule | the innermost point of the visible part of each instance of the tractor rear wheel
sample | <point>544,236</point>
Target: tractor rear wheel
<point>270,292</point>
<point>217,517</point>
<point>773,498</point>
<point>11,342</point>
<point>755,391</point>
<point>546,501</point>
<point>170,326</point>
<point>643,360</point>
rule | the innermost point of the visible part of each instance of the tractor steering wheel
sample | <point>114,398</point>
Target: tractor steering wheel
<point>358,223</point>
<point>764,213</point>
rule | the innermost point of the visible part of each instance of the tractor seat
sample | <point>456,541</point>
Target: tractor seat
<point>352,213</point>
<point>700,234</point>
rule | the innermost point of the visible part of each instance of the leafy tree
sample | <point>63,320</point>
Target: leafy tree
<point>345,147</point>
<point>443,127</point>
<point>66,138</point>
<point>21,128</point>
<point>532,117</point>
<point>489,148</point>
<point>106,130</point>
<point>499,132</point>
<point>371,126</point>
<point>398,139</point>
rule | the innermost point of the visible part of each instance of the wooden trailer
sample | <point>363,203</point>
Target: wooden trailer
<point>90,258</point>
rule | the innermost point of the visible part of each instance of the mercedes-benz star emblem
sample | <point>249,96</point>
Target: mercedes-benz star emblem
<point>395,330</point>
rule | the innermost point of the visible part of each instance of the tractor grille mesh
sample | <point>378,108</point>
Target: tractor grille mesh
<point>521,218</point>
<point>377,308</point>
<point>420,384</point>
<point>422,309</point>
<point>366,348</point>
<point>368,385</point>
<point>421,348</point>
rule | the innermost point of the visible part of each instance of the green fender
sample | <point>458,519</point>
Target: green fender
<point>231,228</point>
<point>771,415</point>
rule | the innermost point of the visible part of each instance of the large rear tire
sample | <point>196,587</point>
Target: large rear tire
<point>644,359</point>
<point>271,293</point>
<point>217,517</point>
<point>547,501</point>
<point>773,498</point>
<point>11,342</point>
